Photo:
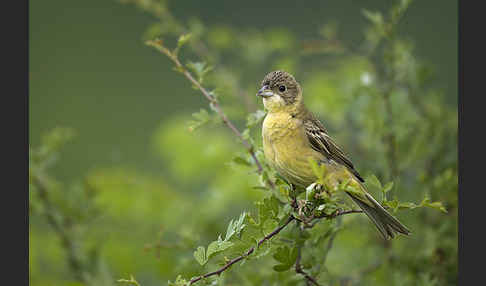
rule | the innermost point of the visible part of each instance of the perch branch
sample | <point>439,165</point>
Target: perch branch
<point>250,251</point>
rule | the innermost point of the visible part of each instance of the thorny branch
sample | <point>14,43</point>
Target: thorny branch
<point>250,251</point>
<point>157,44</point>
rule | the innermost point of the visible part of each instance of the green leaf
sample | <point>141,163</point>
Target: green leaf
<point>387,187</point>
<point>200,255</point>
<point>201,118</point>
<point>373,180</point>
<point>395,205</point>
<point>130,281</point>
<point>274,204</point>
<point>269,226</point>
<point>179,282</point>
<point>286,257</point>
<point>268,209</point>
<point>435,205</point>
<point>264,249</point>
<point>183,39</point>
<point>200,69</point>
<point>282,254</point>
<point>235,227</point>
<point>375,17</point>
<point>293,255</point>
<point>229,231</point>
<point>281,267</point>
<point>391,204</point>
<point>241,161</point>
<point>217,246</point>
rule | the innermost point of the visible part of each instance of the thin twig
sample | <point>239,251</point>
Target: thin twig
<point>298,267</point>
<point>339,213</point>
<point>250,251</point>
<point>157,44</point>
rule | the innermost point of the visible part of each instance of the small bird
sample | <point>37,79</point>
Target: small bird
<point>292,136</point>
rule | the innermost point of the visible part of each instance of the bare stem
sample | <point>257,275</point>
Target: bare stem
<point>250,251</point>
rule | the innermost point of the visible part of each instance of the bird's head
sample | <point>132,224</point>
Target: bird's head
<point>280,90</point>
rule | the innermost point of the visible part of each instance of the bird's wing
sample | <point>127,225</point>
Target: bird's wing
<point>322,142</point>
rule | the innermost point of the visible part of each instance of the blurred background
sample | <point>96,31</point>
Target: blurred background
<point>135,192</point>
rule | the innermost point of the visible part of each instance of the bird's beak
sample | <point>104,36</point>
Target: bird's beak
<point>265,91</point>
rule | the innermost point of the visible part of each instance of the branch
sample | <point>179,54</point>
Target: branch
<point>250,251</point>
<point>339,213</point>
<point>74,262</point>
<point>298,269</point>
<point>157,44</point>
<point>308,224</point>
<point>161,12</point>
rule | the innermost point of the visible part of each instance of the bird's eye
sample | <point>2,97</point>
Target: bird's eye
<point>281,88</point>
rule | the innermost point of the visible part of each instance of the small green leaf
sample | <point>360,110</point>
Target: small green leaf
<point>183,39</point>
<point>293,254</point>
<point>241,161</point>
<point>200,69</point>
<point>281,267</point>
<point>375,17</point>
<point>179,282</point>
<point>130,281</point>
<point>201,118</point>
<point>286,257</point>
<point>235,227</point>
<point>229,231</point>
<point>435,205</point>
<point>282,254</point>
<point>269,226</point>
<point>200,255</point>
<point>387,187</point>
<point>217,246</point>
<point>274,204</point>
<point>373,180</point>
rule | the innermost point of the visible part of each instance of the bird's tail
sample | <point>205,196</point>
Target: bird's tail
<point>383,220</point>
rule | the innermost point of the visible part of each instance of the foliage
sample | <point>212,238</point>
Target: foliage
<point>376,102</point>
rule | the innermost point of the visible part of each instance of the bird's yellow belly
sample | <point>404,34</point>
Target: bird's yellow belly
<point>288,150</point>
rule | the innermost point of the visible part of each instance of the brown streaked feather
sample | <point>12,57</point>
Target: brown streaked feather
<point>322,142</point>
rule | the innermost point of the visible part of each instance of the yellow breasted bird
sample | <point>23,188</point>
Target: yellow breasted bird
<point>292,136</point>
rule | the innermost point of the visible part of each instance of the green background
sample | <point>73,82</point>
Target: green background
<point>90,70</point>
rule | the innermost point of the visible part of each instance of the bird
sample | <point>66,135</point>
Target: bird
<point>292,136</point>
